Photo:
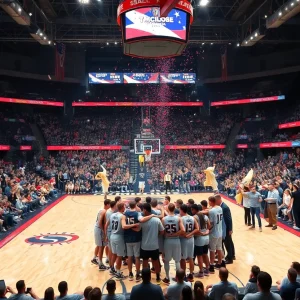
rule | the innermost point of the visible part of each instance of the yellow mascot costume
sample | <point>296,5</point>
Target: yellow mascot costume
<point>103,177</point>
<point>245,182</point>
<point>210,179</point>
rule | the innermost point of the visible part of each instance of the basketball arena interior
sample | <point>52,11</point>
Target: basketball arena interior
<point>149,149</point>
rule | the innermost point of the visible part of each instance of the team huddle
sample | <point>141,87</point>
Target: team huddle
<point>177,231</point>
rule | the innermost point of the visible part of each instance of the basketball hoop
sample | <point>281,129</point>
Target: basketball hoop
<point>147,153</point>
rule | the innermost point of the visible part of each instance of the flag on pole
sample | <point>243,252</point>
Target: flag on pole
<point>224,63</point>
<point>60,52</point>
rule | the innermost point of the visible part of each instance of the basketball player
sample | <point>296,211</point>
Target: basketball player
<point>100,236</point>
<point>149,246</point>
<point>107,230</point>
<point>167,201</point>
<point>132,237</point>
<point>141,187</point>
<point>105,182</point>
<point>187,241</point>
<point>117,240</point>
<point>215,234</point>
<point>202,242</point>
<point>156,210</point>
<point>172,249</point>
<point>167,182</point>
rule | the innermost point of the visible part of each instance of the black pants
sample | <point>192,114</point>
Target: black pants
<point>229,246</point>
<point>168,186</point>
<point>247,216</point>
<point>296,214</point>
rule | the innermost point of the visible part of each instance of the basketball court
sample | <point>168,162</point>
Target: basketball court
<point>59,245</point>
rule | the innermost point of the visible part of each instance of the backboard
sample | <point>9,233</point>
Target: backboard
<point>140,144</point>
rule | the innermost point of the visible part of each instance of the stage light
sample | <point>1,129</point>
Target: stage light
<point>116,43</point>
<point>107,43</point>
<point>251,38</point>
<point>30,14</point>
<point>45,38</point>
<point>238,44</point>
<point>246,42</point>
<point>84,1</point>
<point>49,42</point>
<point>203,2</point>
<point>256,35</point>
<point>41,34</point>
<point>211,43</point>
<point>280,14</point>
<point>19,9</point>
<point>203,44</point>
<point>79,42</point>
<point>266,16</point>
<point>292,4</point>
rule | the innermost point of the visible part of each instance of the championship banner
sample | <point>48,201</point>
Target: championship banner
<point>25,148</point>
<point>129,104</point>
<point>183,147</point>
<point>247,101</point>
<point>178,78</point>
<point>4,147</point>
<point>289,125</point>
<point>34,102</point>
<point>278,145</point>
<point>141,78</point>
<point>105,78</point>
<point>242,146</point>
<point>72,148</point>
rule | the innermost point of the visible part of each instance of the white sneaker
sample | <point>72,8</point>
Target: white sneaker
<point>295,227</point>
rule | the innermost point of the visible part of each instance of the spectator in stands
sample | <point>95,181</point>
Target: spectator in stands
<point>295,265</point>
<point>22,292</point>
<point>264,283</point>
<point>288,291</point>
<point>296,206</point>
<point>94,294</point>
<point>216,291</point>
<point>173,292</point>
<point>49,294</point>
<point>146,290</point>
<point>4,290</point>
<point>111,289</point>
<point>251,286</point>
<point>63,292</point>
<point>86,292</point>
<point>186,293</point>
<point>199,293</point>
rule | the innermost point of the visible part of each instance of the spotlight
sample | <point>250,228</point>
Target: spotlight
<point>116,43</point>
<point>211,43</point>
<point>203,44</point>
<point>45,38</point>
<point>238,44</point>
<point>41,34</point>
<point>246,42</point>
<point>266,16</point>
<point>79,42</point>
<point>107,43</point>
<point>49,42</point>
<point>30,14</point>
<point>292,4</point>
<point>280,14</point>
<point>19,9</point>
<point>203,2</point>
<point>251,38</point>
<point>286,8</point>
<point>256,34</point>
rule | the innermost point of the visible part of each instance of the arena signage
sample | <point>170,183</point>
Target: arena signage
<point>178,78</point>
<point>289,125</point>
<point>124,104</point>
<point>34,102</point>
<point>242,146</point>
<point>25,148</point>
<point>183,147</point>
<point>4,147</point>
<point>277,145</point>
<point>247,101</point>
<point>141,77</point>
<point>74,148</point>
<point>106,78</point>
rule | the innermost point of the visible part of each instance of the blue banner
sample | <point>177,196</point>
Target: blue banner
<point>105,78</point>
<point>141,77</point>
<point>178,78</point>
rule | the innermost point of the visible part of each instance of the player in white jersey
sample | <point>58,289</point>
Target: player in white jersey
<point>172,248</point>
<point>109,212</point>
<point>187,240</point>
<point>215,234</point>
<point>100,236</point>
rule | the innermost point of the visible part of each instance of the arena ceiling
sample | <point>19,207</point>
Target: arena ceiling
<point>221,21</point>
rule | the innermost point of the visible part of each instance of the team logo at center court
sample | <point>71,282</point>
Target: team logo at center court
<point>52,239</point>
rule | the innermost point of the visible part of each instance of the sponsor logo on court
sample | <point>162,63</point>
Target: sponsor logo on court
<point>52,239</point>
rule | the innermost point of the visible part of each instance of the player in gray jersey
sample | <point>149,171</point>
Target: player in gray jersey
<point>117,240</point>
<point>151,228</point>
<point>215,234</point>
<point>159,212</point>
<point>172,248</point>
<point>109,212</point>
<point>100,236</point>
<point>187,240</point>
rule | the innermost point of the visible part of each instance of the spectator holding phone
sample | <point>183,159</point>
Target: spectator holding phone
<point>4,290</point>
<point>23,293</point>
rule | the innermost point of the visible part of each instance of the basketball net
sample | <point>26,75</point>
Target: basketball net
<point>148,154</point>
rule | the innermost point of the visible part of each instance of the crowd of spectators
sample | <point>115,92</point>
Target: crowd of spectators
<point>281,171</point>
<point>84,130</point>
<point>258,287</point>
